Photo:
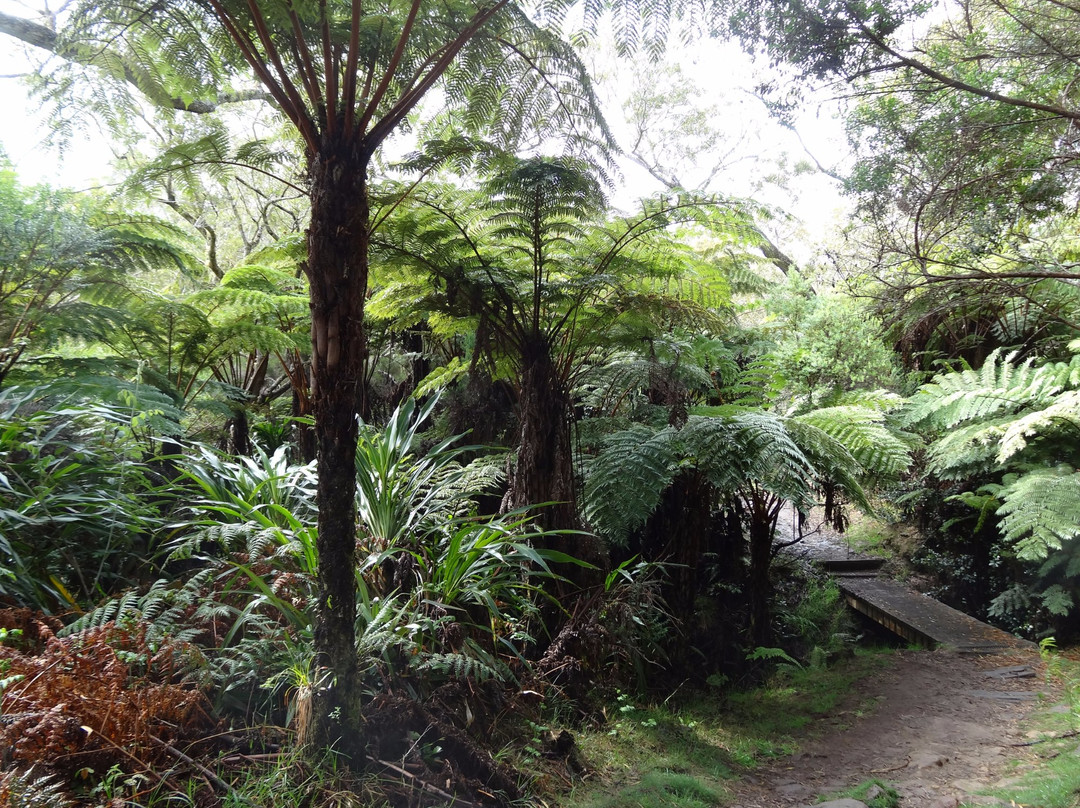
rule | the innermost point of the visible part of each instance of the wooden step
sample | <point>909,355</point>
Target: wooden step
<point>861,564</point>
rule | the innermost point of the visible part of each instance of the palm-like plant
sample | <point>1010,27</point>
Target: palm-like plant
<point>753,460</point>
<point>439,589</point>
<point>530,264</point>
<point>402,494</point>
<point>346,76</point>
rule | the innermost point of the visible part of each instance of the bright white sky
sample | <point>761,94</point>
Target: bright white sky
<point>721,73</point>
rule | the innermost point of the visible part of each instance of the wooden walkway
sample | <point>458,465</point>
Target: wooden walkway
<point>917,618</point>
<point>922,620</point>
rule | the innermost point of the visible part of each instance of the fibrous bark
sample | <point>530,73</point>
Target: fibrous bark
<point>337,269</point>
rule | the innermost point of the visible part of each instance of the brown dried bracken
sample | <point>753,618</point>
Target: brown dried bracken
<point>96,699</point>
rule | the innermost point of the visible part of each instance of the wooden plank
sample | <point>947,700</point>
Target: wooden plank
<point>922,620</point>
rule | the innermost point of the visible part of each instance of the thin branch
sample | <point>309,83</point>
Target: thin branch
<point>39,36</point>
<point>963,86</point>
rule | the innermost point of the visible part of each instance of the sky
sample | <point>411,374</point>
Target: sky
<point>716,79</point>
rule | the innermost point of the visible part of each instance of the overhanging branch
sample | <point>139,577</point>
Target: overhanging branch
<point>40,36</point>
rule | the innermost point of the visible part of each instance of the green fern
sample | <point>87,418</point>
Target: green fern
<point>999,387</point>
<point>24,788</point>
<point>462,666</point>
<point>748,447</point>
<point>1040,510</point>
<point>164,608</point>
<point>881,452</point>
<point>1062,414</point>
<point>624,483</point>
<point>737,450</point>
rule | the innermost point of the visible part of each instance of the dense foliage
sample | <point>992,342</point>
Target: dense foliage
<point>235,480</point>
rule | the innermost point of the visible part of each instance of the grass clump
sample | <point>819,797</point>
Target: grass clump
<point>663,790</point>
<point>1052,780</point>
<point>875,793</point>
<point>797,697</point>
<point>868,536</point>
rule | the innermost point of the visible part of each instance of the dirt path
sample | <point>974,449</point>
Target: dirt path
<point>936,725</point>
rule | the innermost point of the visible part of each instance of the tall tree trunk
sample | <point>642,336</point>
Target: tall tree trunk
<point>676,534</point>
<point>337,268</point>
<point>303,435</point>
<point>544,471</point>
<point>238,434</point>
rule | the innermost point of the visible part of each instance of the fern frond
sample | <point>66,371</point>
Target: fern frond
<point>24,788</point>
<point>747,447</point>
<point>1062,413</point>
<point>969,449</point>
<point>623,484</point>
<point>1000,386</point>
<point>460,666</point>
<point>880,452</point>
<point>1040,511</point>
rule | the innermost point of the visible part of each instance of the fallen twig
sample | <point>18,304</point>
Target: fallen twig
<point>904,765</point>
<point>1072,734</point>
<point>212,778</point>
<point>424,784</point>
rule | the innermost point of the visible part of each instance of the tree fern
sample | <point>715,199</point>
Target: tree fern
<point>1061,415</point>
<point>1000,386</point>
<point>881,452</point>
<point>749,447</point>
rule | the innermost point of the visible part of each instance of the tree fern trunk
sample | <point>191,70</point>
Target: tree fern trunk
<point>675,534</point>
<point>337,268</point>
<point>544,471</point>
<point>238,434</point>
<point>761,512</point>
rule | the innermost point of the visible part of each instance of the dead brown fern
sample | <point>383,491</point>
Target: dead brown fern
<point>98,698</point>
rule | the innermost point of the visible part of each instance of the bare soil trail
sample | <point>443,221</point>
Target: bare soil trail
<point>938,726</point>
